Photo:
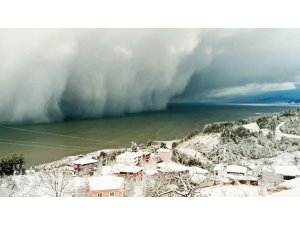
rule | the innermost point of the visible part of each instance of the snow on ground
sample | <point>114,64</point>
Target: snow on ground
<point>283,159</point>
<point>30,185</point>
<point>232,191</point>
<point>253,127</point>
<point>295,192</point>
<point>207,141</point>
<point>294,183</point>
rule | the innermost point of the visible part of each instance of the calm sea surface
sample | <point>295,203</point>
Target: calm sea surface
<point>47,142</point>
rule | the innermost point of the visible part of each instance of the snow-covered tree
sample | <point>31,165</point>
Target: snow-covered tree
<point>171,185</point>
<point>54,181</point>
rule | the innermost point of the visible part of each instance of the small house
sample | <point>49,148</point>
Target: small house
<point>243,179</point>
<point>218,170</point>
<point>85,166</point>
<point>236,170</point>
<point>134,173</point>
<point>146,156</point>
<point>128,158</point>
<point>106,186</point>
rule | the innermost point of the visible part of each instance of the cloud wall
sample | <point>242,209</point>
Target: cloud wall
<point>56,74</point>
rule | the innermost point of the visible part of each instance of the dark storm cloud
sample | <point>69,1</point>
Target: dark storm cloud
<point>48,74</point>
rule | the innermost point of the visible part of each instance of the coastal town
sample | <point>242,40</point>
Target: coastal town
<point>254,157</point>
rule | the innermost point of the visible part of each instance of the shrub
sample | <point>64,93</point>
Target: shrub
<point>12,165</point>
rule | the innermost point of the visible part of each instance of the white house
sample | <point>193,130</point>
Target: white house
<point>236,170</point>
<point>219,169</point>
<point>128,158</point>
<point>243,179</point>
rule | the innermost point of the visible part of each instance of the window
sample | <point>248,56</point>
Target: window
<point>100,194</point>
<point>288,177</point>
<point>111,194</point>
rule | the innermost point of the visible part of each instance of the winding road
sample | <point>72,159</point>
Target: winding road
<point>279,134</point>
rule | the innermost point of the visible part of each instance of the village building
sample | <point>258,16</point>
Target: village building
<point>146,156</point>
<point>106,186</point>
<point>236,170</point>
<point>223,181</point>
<point>172,167</point>
<point>134,173</point>
<point>243,179</point>
<point>85,166</point>
<point>128,158</point>
<point>287,172</point>
<point>218,170</point>
<point>164,154</point>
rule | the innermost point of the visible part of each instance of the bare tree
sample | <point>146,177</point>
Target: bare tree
<point>55,181</point>
<point>171,185</point>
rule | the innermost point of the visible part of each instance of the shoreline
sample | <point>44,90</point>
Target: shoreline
<point>253,113</point>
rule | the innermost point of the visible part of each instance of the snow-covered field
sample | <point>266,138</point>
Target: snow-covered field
<point>232,191</point>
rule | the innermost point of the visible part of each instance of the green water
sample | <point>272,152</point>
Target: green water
<point>44,143</point>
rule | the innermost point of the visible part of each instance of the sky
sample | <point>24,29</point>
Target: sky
<point>53,74</point>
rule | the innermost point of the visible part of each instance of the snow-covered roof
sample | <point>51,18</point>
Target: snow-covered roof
<point>294,183</point>
<point>105,183</point>
<point>287,170</point>
<point>84,161</point>
<point>172,167</point>
<point>218,167</point>
<point>295,192</point>
<point>236,169</point>
<point>252,127</point>
<point>198,170</point>
<point>267,169</point>
<point>164,150</point>
<point>131,155</point>
<point>127,169</point>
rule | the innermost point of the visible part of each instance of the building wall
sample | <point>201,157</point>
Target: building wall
<point>105,193</point>
<point>129,161</point>
<point>132,176</point>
